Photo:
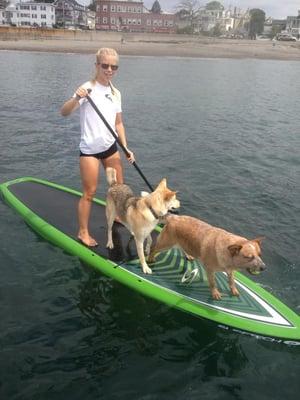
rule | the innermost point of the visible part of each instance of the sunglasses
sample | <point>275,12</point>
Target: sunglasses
<point>106,66</point>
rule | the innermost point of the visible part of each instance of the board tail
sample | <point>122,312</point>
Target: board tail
<point>111,176</point>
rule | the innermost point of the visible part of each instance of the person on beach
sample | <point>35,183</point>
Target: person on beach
<point>97,145</point>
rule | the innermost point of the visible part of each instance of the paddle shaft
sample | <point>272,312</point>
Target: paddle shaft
<point>118,140</point>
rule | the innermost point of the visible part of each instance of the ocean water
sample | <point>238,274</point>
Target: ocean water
<point>225,134</point>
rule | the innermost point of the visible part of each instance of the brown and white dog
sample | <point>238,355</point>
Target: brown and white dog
<point>140,215</point>
<point>217,249</point>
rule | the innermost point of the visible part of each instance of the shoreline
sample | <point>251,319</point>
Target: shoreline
<point>200,48</point>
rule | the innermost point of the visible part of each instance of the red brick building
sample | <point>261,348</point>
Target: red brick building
<point>132,16</point>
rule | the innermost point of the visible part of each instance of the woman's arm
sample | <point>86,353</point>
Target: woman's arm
<point>73,103</point>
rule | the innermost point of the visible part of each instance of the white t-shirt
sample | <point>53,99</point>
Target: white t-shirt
<point>95,137</point>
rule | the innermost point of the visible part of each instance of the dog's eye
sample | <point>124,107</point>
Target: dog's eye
<point>249,257</point>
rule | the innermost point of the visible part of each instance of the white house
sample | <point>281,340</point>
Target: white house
<point>30,14</point>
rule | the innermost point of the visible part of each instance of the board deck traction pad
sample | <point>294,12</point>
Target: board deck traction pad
<point>50,210</point>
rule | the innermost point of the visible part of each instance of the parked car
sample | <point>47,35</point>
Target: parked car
<point>286,37</point>
<point>263,37</point>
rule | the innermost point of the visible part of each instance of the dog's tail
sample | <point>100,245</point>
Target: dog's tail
<point>111,176</point>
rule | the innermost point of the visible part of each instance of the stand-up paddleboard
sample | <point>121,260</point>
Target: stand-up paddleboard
<point>51,210</point>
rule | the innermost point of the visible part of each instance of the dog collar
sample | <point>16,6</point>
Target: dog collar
<point>153,212</point>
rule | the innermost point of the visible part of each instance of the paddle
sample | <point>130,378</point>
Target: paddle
<point>117,139</point>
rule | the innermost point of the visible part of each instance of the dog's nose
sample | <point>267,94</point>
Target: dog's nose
<point>262,266</point>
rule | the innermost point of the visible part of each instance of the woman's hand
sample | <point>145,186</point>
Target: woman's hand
<point>130,156</point>
<point>81,92</point>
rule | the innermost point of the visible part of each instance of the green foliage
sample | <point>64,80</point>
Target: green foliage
<point>216,31</point>
<point>187,30</point>
<point>156,8</point>
<point>257,20</point>
<point>92,5</point>
<point>214,5</point>
<point>189,10</point>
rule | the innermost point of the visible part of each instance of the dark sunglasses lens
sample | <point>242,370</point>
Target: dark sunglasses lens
<point>106,66</point>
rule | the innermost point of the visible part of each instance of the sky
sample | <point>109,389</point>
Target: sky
<point>279,9</point>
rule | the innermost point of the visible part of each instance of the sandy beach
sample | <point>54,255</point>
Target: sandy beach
<point>171,47</point>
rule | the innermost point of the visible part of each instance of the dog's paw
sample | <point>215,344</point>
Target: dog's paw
<point>189,257</point>
<point>216,295</point>
<point>235,292</point>
<point>110,245</point>
<point>146,269</point>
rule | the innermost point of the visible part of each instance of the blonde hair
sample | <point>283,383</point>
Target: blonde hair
<point>106,51</point>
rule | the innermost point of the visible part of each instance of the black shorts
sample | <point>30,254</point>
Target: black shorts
<point>104,154</point>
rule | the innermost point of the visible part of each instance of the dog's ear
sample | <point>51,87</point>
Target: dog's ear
<point>258,240</point>
<point>162,184</point>
<point>234,249</point>
<point>169,194</point>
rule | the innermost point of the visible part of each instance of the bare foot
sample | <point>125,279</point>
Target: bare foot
<point>87,240</point>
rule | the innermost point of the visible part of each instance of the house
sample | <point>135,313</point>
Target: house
<point>293,25</point>
<point>72,15</point>
<point>132,16</point>
<point>30,14</point>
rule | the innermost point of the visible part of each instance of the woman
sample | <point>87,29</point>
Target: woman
<point>97,145</point>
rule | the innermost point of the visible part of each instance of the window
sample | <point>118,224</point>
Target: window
<point>43,8</point>
<point>104,8</point>
<point>148,22</point>
<point>105,20</point>
<point>33,16</point>
<point>33,7</point>
<point>113,21</point>
<point>112,8</point>
<point>43,16</point>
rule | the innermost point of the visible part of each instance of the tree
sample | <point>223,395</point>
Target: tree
<point>156,8</point>
<point>214,5</point>
<point>189,9</point>
<point>92,5</point>
<point>256,24</point>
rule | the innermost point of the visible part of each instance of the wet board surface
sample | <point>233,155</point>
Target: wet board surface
<point>51,210</point>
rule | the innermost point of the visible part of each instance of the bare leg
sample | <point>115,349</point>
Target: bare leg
<point>89,171</point>
<point>114,161</point>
